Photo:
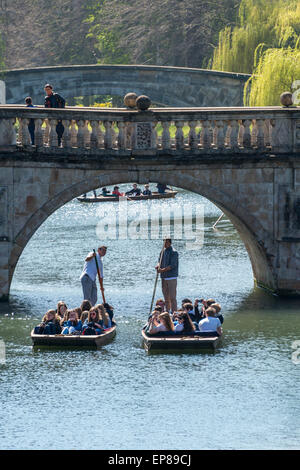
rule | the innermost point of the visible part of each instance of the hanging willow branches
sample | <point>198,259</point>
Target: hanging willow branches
<point>266,44</point>
<point>275,23</point>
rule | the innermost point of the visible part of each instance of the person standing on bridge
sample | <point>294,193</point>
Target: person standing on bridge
<point>54,100</point>
<point>89,275</point>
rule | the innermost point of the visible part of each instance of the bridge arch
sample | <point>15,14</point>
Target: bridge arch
<point>247,225</point>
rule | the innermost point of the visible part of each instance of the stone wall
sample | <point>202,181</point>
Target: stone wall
<point>169,86</point>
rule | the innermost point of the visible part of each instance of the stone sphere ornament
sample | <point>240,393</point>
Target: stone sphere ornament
<point>143,102</point>
<point>130,100</point>
<point>286,99</point>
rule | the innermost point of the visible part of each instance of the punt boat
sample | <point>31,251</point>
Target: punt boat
<point>154,195</point>
<point>78,341</point>
<point>181,343</point>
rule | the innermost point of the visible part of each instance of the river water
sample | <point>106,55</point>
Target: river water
<point>243,396</point>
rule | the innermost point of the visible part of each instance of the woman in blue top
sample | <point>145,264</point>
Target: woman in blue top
<point>70,323</point>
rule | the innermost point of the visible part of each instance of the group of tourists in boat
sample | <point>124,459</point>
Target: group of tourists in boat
<point>134,191</point>
<point>83,320</point>
<point>198,317</point>
<point>201,315</point>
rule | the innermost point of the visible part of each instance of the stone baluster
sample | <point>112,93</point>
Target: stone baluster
<point>80,133</point>
<point>73,133</point>
<point>129,129</point>
<point>121,135</point>
<point>100,136</point>
<point>179,137</point>
<point>165,138</point>
<point>267,132</point>
<point>38,132</point>
<point>94,135</point>
<point>260,137</point>
<point>227,134</point>
<point>254,133</point>
<point>66,137</point>
<point>192,138</point>
<point>234,134</point>
<point>241,133</point>
<point>108,135</point>
<point>46,132</point>
<point>213,133</point>
<point>114,140</point>
<point>53,142</point>
<point>24,135</point>
<point>220,139</point>
<point>205,138</point>
<point>86,134</point>
<point>247,133</point>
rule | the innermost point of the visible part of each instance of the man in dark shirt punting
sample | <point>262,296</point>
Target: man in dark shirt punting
<point>54,100</point>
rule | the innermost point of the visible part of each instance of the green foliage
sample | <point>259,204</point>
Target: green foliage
<point>275,23</point>
<point>275,73</point>
<point>168,32</point>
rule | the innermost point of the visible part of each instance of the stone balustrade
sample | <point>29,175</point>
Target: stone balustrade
<point>158,130</point>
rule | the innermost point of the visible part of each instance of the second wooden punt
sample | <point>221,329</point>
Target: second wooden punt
<point>178,342</point>
<point>77,341</point>
<point>154,195</point>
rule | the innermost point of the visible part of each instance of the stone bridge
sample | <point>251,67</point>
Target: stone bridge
<point>244,160</point>
<point>167,86</point>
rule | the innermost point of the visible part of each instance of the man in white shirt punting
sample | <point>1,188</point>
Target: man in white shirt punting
<point>89,274</point>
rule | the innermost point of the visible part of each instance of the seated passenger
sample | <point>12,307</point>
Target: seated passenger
<point>85,305</point>
<point>110,310</point>
<point>161,303</point>
<point>61,309</point>
<point>210,323</point>
<point>104,192</point>
<point>84,318</point>
<point>199,310</point>
<point>161,323</point>
<point>116,192</point>
<point>161,188</point>
<point>188,308</point>
<point>217,308</point>
<point>93,326</point>
<point>185,324</point>
<point>50,324</point>
<point>135,191</point>
<point>70,324</point>
<point>147,191</point>
<point>104,318</point>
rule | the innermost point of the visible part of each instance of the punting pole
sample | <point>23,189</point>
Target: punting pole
<point>218,220</point>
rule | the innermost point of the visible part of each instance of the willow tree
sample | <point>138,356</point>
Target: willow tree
<point>274,23</point>
<point>277,71</point>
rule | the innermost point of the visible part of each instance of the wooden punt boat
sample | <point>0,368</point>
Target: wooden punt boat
<point>179,342</point>
<point>76,341</point>
<point>154,195</point>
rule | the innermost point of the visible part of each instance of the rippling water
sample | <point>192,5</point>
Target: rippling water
<point>246,395</point>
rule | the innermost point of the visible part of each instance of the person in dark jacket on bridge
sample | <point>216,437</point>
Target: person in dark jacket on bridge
<point>54,100</point>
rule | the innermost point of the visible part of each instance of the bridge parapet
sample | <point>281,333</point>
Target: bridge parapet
<point>194,131</point>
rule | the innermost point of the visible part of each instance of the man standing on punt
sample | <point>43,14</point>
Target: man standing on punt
<point>89,275</point>
<point>168,268</point>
